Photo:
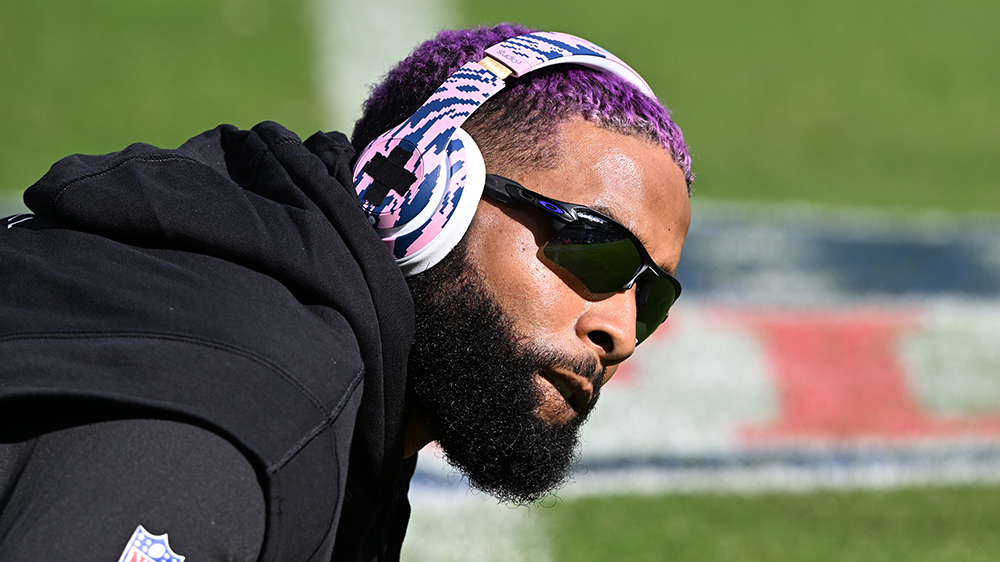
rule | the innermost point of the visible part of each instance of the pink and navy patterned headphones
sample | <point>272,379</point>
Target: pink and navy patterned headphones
<point>420,183</point>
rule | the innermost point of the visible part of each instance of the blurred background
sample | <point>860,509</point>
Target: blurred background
<point>826,388</point>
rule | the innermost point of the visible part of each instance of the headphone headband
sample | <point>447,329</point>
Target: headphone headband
<point>527,53</point>
<point>421,181</point>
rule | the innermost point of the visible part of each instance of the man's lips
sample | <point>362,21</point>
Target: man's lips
<point>576,389</point>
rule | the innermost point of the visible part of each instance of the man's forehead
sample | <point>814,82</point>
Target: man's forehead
<point>637,184</point>
<point>623,163</point>
<point>627,178</point>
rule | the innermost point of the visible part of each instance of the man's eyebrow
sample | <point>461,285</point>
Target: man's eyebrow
<point>610,213</point>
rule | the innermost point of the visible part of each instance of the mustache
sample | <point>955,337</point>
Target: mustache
<point>588,368</point>
<point>542,358</point>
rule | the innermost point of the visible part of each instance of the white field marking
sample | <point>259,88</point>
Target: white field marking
<point>952,361</point>
<point>358,42</point>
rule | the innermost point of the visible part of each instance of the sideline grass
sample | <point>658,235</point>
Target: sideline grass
<point>892,104</point>
<point>916,525</point>
<point>95,76</point>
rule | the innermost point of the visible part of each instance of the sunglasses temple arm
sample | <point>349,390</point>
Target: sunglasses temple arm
<point>495,187</point>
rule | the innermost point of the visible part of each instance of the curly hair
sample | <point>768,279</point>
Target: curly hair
<point>519,126</point>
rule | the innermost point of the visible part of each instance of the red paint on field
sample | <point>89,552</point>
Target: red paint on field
<point>839,378</point>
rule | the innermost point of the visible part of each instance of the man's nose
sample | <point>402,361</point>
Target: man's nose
<point>608,325</point>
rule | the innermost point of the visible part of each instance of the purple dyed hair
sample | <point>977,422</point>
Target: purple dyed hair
<point>518,127</point>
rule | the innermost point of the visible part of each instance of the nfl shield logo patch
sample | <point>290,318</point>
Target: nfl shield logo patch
<point>146,547</point>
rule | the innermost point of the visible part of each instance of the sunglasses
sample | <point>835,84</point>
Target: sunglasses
<point>604,255</point>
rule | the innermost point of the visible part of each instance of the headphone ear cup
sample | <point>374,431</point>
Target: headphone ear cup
<point>420,183</point>
<point>423,226</point>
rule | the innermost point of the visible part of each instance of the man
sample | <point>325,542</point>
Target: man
<point>210,343</point>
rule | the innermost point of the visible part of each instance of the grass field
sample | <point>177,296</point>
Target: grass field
<point>94,76</point>
<point>915,525</point>
<point>888,104</point>
<point>852,103</point>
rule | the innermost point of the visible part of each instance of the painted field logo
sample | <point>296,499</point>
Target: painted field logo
<point>146,547</point>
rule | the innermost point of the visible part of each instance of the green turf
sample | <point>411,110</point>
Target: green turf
<point>890,103</point>
<point>94,76</point>
<point>857,103</point>
<point>915,525</point>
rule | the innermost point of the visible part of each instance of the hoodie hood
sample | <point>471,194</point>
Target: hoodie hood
<point>266,201</point>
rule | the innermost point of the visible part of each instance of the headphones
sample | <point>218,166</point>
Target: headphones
<point>420,182</point>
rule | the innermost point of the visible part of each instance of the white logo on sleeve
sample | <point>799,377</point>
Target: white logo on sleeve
<point>146,547</point>
<point>18,219</point>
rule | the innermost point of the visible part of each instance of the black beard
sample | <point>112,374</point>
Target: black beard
<point>473,380</point>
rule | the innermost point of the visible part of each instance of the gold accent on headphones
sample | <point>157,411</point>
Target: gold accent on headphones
<point>496,67</point>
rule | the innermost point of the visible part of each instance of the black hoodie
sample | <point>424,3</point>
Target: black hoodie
<point>232,284</point>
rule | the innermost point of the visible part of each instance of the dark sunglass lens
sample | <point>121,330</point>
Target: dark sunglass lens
<point>654,297</point>
<point>596,252</point>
